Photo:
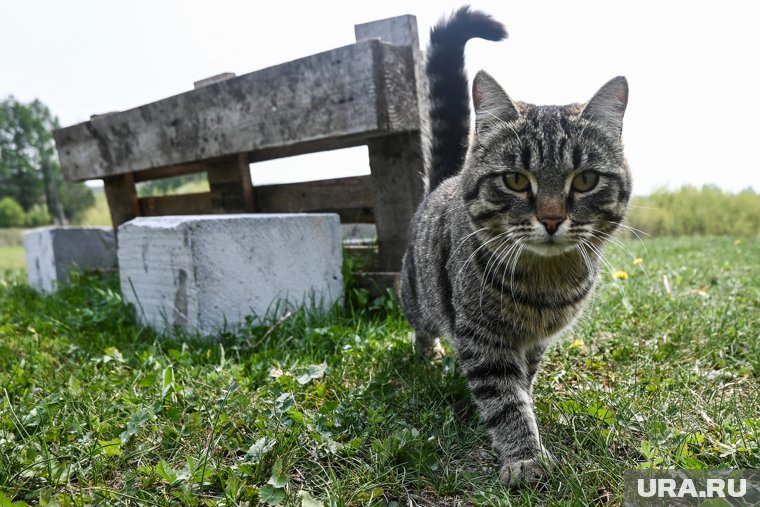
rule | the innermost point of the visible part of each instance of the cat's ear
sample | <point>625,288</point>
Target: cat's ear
<point>607,106</point>
<point>492,104</point>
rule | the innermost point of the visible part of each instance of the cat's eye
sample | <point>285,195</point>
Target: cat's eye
<point>585,181</point>
<point>517,182</point>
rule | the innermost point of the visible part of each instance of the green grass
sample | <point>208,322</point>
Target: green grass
<point>11,236</point>
<point>11,249</point>
<point>96,409</point>
<point>12,257</point>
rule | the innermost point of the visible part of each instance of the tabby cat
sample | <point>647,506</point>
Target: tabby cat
<point>505,249</point>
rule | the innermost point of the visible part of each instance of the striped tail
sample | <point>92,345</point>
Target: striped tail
<point>449,94</point>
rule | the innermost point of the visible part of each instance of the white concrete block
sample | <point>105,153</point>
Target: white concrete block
<point>205,273</point>
<point>51,252</point>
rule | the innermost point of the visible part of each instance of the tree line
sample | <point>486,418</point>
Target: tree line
<point>32,189</point>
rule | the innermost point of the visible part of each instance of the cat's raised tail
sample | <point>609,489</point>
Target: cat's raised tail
<point>448,89</point>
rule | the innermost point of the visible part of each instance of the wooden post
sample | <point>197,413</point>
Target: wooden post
<point>396,165</point>
<point>230,182</point>
<point>396,161</point>
<point>121,195</point>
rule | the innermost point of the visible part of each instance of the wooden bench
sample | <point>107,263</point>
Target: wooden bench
<point>366,93</point>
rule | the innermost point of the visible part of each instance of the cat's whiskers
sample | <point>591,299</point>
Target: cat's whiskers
<point>513,252</point>
<point>603,259</point>
<point>636,232</point>
<point>616,242</point>
<point>585,258</point>
<point>472,255</point>
<point>465,239</point>
<point>512,269</point>
<point>632,229</point>
<point>586,310</point>
<point>495,254</point>
<point>600,255</point>
<point>613,240</point>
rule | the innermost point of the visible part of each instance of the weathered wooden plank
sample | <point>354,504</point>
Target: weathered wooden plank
<point>352,198</point>
<point>169,171</point>
<point>354,92</point>
<point>121,195</point>
<point>182,204</point>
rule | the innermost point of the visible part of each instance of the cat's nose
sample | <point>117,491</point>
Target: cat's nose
<point>551,224</point>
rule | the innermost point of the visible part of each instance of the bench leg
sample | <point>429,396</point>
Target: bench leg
<point>397,172</point>
<point>121,195</point>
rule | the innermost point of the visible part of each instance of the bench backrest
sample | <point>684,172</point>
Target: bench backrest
<point>366,93</point>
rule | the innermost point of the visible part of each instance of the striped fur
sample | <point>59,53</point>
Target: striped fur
<point>447,80</point>
<point>501,271</point>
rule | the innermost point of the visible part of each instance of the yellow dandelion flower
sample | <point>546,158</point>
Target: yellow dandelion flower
<point>577,344</point>
<point>637,261</point>
<point>738,242</point>
<point>620,275</point>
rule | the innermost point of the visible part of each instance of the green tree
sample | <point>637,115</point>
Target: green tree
<point>29,169</point>
<point>76,198</point>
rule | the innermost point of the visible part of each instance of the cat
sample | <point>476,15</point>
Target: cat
<point>505,248</point>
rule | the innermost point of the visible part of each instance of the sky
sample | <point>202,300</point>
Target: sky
<point>693,113</point>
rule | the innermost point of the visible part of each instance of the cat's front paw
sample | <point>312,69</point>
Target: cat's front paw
<point>525,471</point>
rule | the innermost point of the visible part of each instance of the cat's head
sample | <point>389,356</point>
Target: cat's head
<point>550,177</point>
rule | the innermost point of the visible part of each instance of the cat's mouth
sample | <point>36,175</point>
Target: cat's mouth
<point>547,245</point>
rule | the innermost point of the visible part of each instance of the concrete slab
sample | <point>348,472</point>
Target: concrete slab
<point>51,252</point>
<point>207,273</point>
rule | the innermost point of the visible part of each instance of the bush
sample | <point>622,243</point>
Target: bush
<point>37,217</point>
<point>691,211</point>
<point>11,213</point>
